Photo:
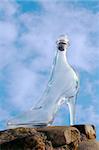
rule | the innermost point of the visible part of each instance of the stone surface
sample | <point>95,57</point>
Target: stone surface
<point>13,134</point>
<point>78,137</point>
<point>89,145</point>
<point>21,138</point>
<point>61,135</point>
<point>88,130</point>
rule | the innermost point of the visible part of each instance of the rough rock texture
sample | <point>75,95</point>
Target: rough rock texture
<point>78,137</point>
<point>89,145</point>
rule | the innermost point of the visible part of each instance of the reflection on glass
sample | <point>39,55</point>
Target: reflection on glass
<point>62,88</point>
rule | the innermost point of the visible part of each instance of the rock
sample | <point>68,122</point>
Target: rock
<point>89,145</point>
<point>21,138</point>
<point>13,134</point>
<point>86,131</point>
<point>90,132</point>
<point>60,135</point>
<point>78,137</point>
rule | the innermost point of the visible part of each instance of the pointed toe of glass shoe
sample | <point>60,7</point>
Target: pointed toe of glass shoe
<point>32,118</point>
<point>14,124</point>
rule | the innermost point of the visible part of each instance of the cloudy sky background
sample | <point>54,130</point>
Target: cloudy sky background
<point>28,32</point>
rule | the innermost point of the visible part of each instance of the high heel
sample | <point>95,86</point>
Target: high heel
<point>71,104</point>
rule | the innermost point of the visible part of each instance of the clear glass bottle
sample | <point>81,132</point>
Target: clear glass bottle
<point>61,88</point>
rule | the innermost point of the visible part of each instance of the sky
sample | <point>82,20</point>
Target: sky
<point>28,33</point>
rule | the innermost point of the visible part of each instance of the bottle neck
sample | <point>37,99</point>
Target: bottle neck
<point>62,56</point>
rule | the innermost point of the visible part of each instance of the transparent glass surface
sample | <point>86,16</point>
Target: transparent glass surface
<point>61,88</point>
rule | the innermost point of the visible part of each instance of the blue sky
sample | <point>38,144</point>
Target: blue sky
<point>28,32</point>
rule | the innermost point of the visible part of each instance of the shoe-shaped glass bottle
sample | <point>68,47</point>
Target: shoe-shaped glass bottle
<point>62,87</point>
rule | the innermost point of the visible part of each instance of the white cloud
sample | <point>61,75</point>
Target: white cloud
<point>22,86</point>
<point>4,114</point>
<point>87,115</point>
<point>79,24</point>
<point>8,9</point>
<point>8,33</point>
<point>8,36</point>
